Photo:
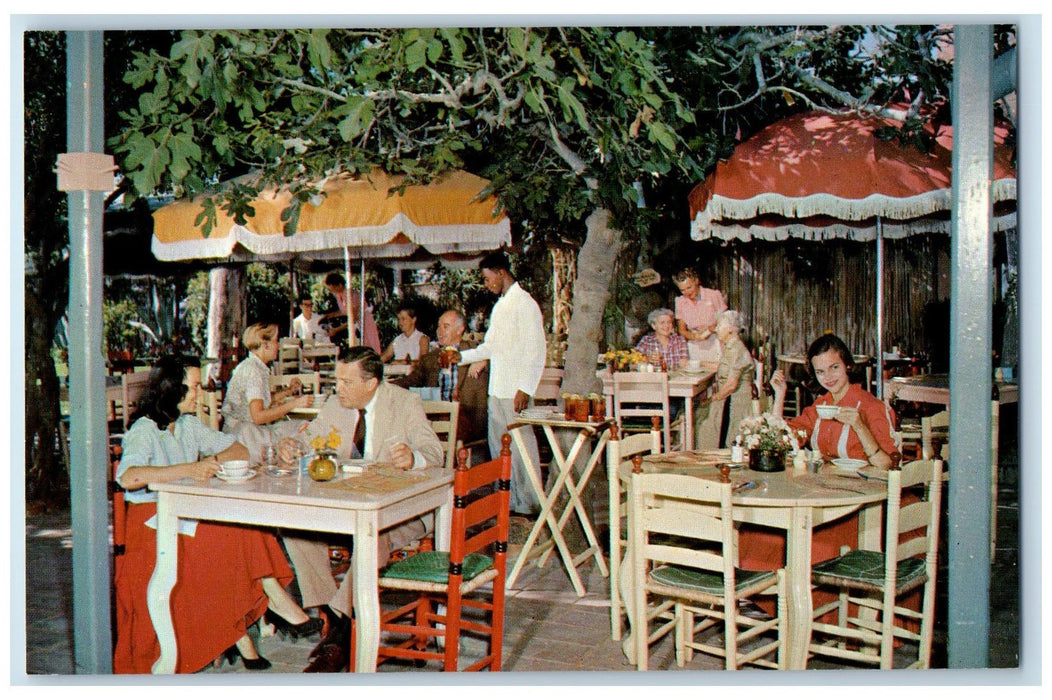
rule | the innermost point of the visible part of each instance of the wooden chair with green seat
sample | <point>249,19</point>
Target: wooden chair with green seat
<point>446,583</point>
<point>620,451</point>
<point>683,549</point>
<point>876,580</point>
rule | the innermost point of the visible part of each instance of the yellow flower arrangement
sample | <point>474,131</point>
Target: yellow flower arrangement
<point>332,441</point>
<point>623,359</point>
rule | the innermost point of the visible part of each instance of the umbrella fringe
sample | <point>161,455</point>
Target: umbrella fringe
<point>371,241</point>
<point>834,230</point>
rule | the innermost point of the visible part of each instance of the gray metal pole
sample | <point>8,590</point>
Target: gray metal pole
<point>87,370</point>
<point>971,301</point>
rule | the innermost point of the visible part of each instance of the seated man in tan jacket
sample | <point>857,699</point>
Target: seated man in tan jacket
<point>397,431</point>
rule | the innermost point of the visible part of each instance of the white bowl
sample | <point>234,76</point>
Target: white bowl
<point>827,411</point>
<point>234,467</point>
<point>847,464</point>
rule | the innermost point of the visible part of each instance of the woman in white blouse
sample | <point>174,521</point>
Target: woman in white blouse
<point>251,413</point>
<point>411,344</point>
<point>212,606</point>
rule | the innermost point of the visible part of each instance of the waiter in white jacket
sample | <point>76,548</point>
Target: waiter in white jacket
<point>516,348</point>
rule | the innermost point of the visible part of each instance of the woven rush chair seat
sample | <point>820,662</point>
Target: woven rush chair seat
<point>674,580</point>
<point>430,570</point>
<point>866,570</point>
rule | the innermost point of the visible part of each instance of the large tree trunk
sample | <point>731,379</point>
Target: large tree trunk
<point>226,318</point>
<point>595,271</point>
<point>591,292</point>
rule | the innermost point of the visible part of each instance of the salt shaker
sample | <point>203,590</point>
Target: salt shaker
<point>737,451</point>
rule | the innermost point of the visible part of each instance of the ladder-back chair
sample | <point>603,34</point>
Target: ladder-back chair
<point>645,395</point>
<point>876,580</point>
<point>683,548</point>
<point>478,555</point>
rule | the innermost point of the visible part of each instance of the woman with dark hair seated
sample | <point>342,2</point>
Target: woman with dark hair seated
<point>228,575</point>
<point>862,429</point>
<point>411,344</point>
<point>862,426</point>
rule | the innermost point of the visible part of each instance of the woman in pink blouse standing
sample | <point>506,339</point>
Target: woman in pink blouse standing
<point>696,310</point>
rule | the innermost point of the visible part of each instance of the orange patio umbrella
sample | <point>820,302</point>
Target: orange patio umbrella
<point>821,176</point>
<point>447,218</point>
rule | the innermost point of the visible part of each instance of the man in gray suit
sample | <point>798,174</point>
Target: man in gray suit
<point>398,432</point>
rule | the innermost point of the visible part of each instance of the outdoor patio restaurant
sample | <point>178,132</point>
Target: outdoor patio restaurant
<point>440,454</point>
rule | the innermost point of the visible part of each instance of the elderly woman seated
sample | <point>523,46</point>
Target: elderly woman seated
<point>663,346</point>
<point>734,373</point>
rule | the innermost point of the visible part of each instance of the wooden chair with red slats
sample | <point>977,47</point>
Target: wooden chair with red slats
<point>477,555</point>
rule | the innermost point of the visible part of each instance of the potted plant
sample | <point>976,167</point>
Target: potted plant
<point>768,438</point>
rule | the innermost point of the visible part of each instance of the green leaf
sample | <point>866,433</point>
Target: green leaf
<point>416,55</point>
<point>571,104</point>
<point>455,43</point>
<point>533,101</point>
<point>518,41</point>
<point>206,219</point>
<point>359,112</point>
<point>434,50</point>
<point>659,133</point>
<point>318,49</point>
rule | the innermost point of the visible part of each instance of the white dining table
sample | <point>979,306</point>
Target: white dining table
<point>793,501</point>
<point>681,384</point>
<point>349,506</point>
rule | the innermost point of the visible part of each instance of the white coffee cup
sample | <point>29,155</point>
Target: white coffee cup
<point>694,365</point>
<point>234,468</point>
<point>827,411</point>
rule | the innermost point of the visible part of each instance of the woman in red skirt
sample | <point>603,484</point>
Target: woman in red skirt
<point>862,429</point>
<point>228,575</point>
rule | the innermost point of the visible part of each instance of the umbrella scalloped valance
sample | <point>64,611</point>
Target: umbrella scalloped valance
<point>816,175</point>
<point>445,216</point>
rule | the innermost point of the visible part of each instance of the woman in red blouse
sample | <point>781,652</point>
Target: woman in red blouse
<point>861,430</point>
<point>863,427</point>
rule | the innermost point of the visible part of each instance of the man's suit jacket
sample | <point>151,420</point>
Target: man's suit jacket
<point>399,413</point>
<point>474,393</point>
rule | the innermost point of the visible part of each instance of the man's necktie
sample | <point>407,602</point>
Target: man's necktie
<point>359,433</point>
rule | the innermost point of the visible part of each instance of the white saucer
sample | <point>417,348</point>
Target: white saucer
<point>238,479</point>
<point>686,370</point>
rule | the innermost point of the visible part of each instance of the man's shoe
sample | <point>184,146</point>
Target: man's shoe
<point>331,658</point>
<point>338,634</point>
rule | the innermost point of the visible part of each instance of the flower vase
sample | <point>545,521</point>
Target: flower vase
<point>322,467</point>
<point>767,460</point>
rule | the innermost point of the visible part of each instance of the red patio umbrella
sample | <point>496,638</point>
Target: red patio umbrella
<point>821,176</point>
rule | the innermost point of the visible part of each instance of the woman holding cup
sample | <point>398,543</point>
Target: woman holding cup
<point>858,426</point>
<point>663,346</point>
<point>213,605</point>
<point>847,421</point>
